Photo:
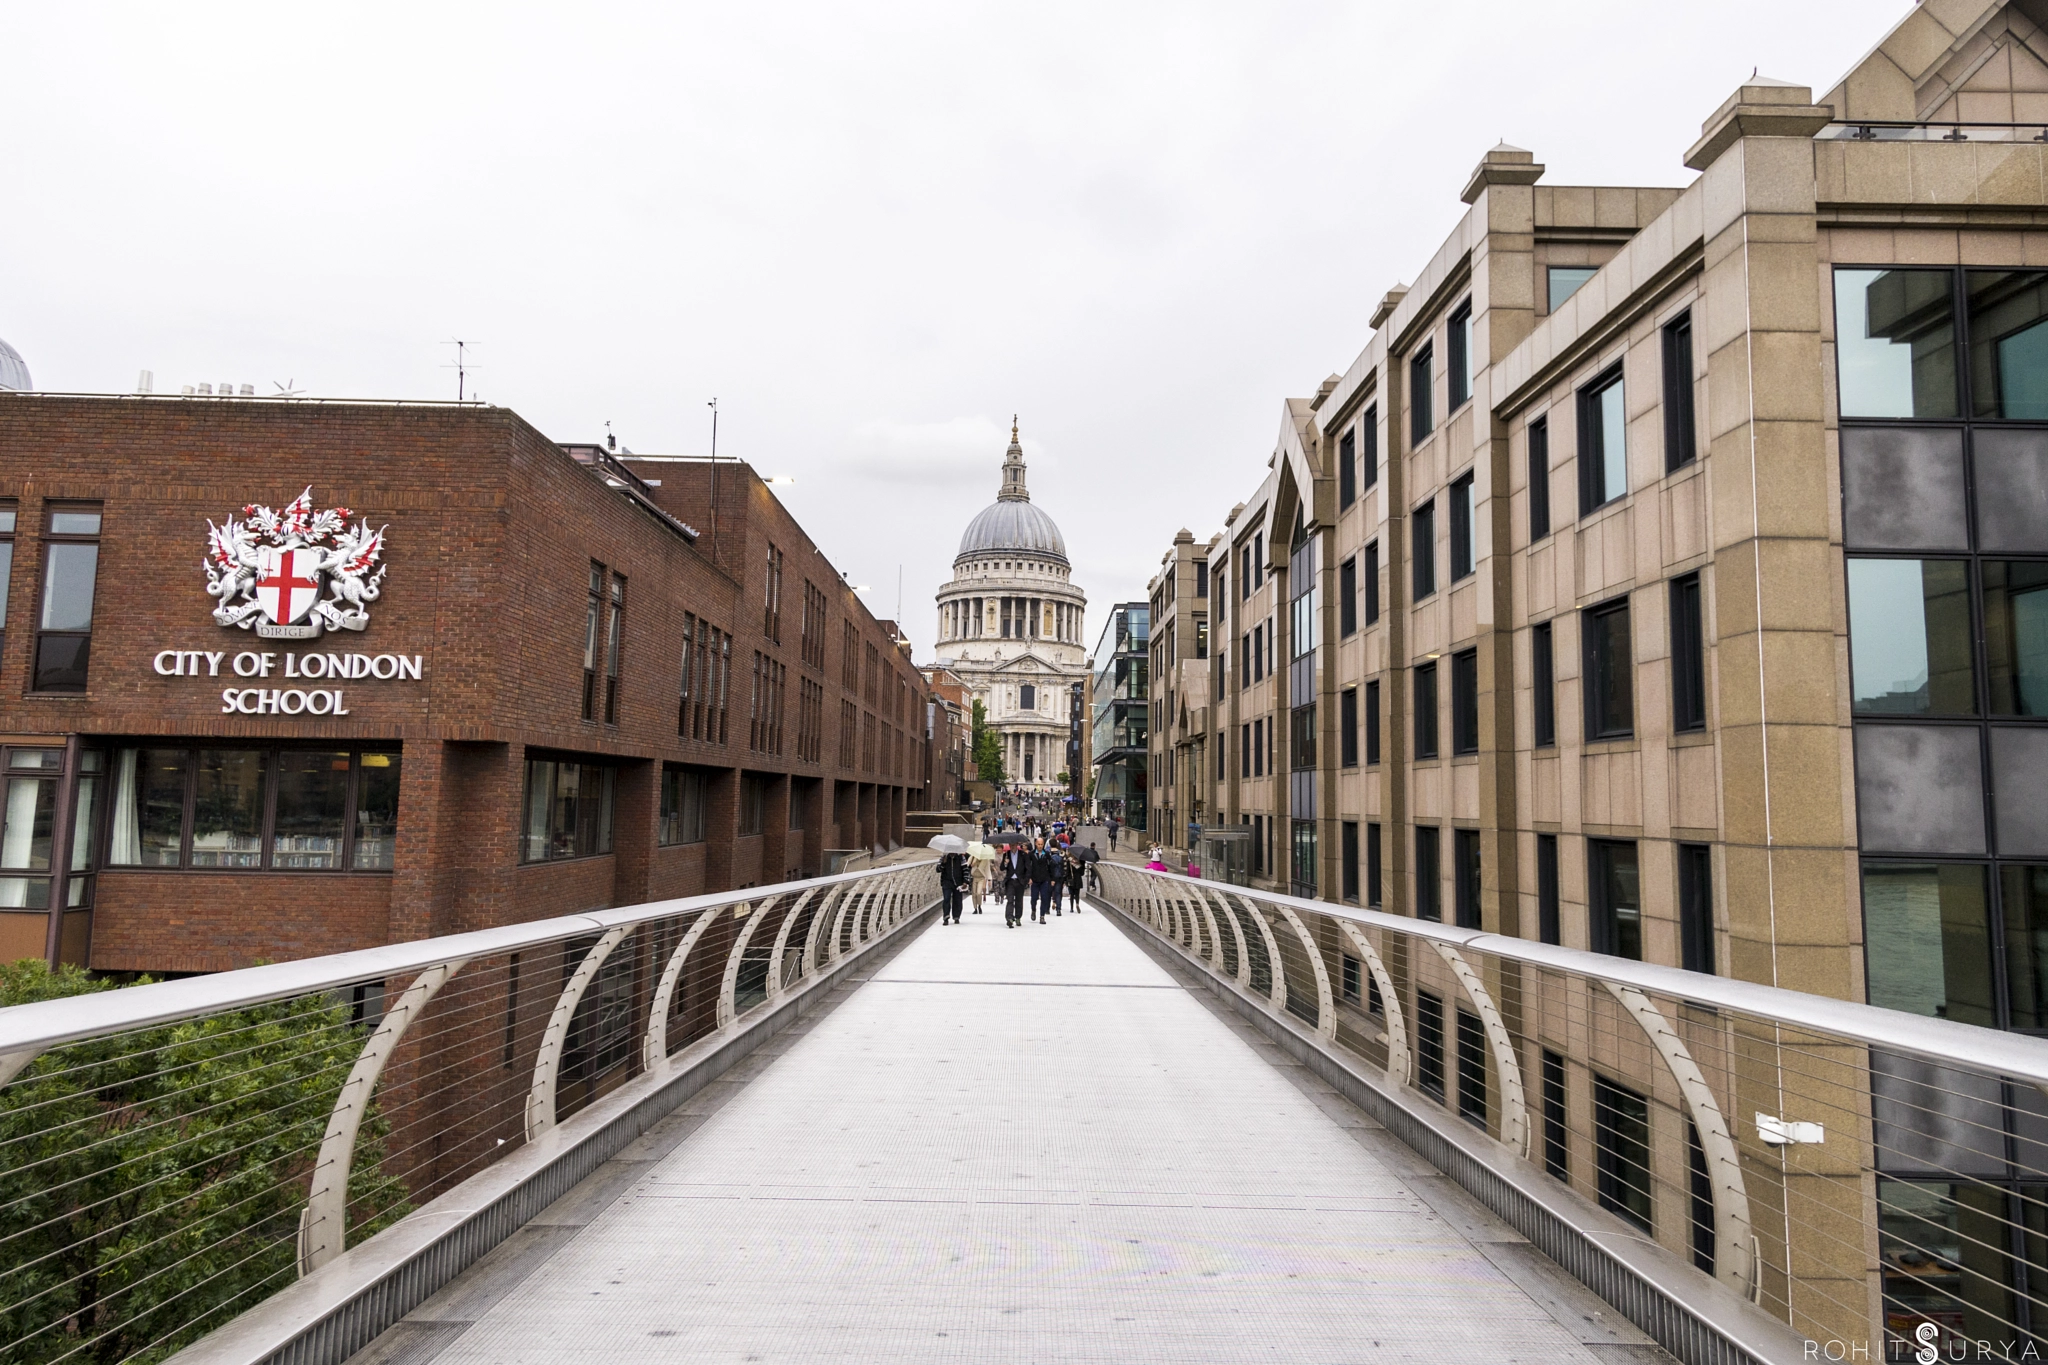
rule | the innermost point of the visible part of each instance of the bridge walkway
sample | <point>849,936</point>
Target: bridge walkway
<point>1015,1145</point>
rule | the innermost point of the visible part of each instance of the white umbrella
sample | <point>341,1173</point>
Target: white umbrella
<point>981,852</point>
<point>947,843</point>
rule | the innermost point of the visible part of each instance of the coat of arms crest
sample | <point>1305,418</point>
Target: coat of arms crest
<point>270,569</point>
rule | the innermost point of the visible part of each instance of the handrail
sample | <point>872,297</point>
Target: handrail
<point>44,1024</point>
<point>2019,1056</point>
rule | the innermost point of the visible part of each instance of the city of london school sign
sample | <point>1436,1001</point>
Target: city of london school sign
<point>294,574</point>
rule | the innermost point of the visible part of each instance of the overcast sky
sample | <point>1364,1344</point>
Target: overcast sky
<point>873,231</point>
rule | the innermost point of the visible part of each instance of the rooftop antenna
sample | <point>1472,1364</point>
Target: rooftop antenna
<point>611,442</point>
<point>285,390</point>
<point>460,367</point>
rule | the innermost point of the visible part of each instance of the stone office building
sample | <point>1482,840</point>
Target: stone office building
<point>466,677</point>
<point>1665,575</point>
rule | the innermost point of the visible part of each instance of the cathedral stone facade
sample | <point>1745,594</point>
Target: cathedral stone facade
<point>1011,628</point>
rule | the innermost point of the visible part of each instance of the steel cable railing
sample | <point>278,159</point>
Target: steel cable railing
<point>1878,1181</point>
<point>173,1153</point>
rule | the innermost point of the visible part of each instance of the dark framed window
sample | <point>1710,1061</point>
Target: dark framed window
<point>1421,416</point>
<point>1548,927</point>
<point>1696,908</point>
<point>1244,752</point>
<point>1543,686</point>
<point>753,812</point>
<point>1422,550</point>
<point>1556,1119</point>
<point>568,810</point>
<point>1304,847</point>
<point>1347,470</point>
<point>1603,442</point>
<point>1369,447</point>
<point>1429,888</point>
<point>1458,344</point>
<point>1201,586</point>
<point>685,794</point>
<point>1471,1068</point>
<point>71,559</point>
<point>281,809</point>
<point>1369,581</point>
<point>1539,479</point>
<point>1688,655</point>
<point>1348,874</point>
<point>1465,702</point>
<point>32,778</point>
<point>615,634</point>
<point>1911,642</point>
<point>593,624</point>
<point>1372,722</point>
<point>1347,727</point>
<point>1347,597</point>
<point>1425,710</point>
<point>1465,877</point>
<point>1621,1144</point>
<point>1429,1044</point>
<point>1608,674</point>
<point>1462,553</point>
<point>8,512</point>
<point>1895,344</point>
<point>1614,898</point>
<point>1259,747</point>
<point>1301,738</point>
<point>1375,895</point>
<point>1680,440</point>
<point>1352,977</point>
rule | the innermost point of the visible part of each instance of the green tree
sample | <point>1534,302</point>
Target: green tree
<point>151,1182</point>
<point>987,747</point>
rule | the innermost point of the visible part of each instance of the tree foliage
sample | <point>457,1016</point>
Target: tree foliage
<point>987,747</point>
<point>151,1182</point>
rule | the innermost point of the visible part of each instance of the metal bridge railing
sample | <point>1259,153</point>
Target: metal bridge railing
<point>173,1153</point>
<point>1876,1180</point>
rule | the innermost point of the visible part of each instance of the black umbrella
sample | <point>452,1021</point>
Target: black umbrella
<point>1088,853</point>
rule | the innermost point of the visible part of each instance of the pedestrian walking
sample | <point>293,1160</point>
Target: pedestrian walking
<point>952,882</point>
<point>1043,871</point>
<point>978,881</point>
<point>1077,871</point>
<point>1015,873</point>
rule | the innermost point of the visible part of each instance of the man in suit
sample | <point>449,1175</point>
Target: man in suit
<point>1013,871</point>
<point>1044,873</point>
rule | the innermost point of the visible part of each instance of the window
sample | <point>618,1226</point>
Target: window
<point>1603,442</point>
<point>1369,447</point>
<point>1301,738</point>
<point>1201,582</point>
<point>1027,697</point>
<point>1425,710</point>
<point>7,515</point>
<point>1304,883</point>
<point>1465,702</point>
<point>1465,877</point>
<point>1429,1044</point>
<point>1927,942</point>
<point>1539,479</point>
<point>1350,972</point>
<point>1244,752</point>
<point>1458,341</point>
<point>1374,895</point>
<point>1462,560</point>
<point>1259,747</point>
<point>28,820</point>
<point>1621,1141</point>
<point>771,597</point>
<point>1610,700</point>
<point>1688,656</point>
<point>1421,420</point>
<point>1348,883</point>
<point>1548,929</point>
<point>593,622</point>
<point>849,650</point>
<point>71,559</point>
<point>568,810</point>
<point>753,810</point>
<point>1347,470</point>
<point>1471,1068</point>
<point>1614,901</point>
<point>684,794</point>
<point>1543,691</point>
<point>849,735</point>
<point>1895,343</point>
<point>2008,321</point>
<point>764,720</point>
<point>1347,728</point>
<point>1372,722</point>
<point>810,720</point>
<point>1423,549</point>
<point>1680,441</point>
<point>1696,908</point>
<point>1347,597</point>
<point>1429,891</point>
<point>614,637</point>
<point>284,809</point>
<point>2015,635</point>
<point>1565,280</point>
<point>814,625</point>
<point>707,659</point>
<point>1369,580</point>
<point>1913,662</point>
<point>1556,1119</point>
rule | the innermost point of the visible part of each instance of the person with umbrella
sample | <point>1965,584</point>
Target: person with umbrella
<point>952,851</point>
<point>981,859</point>
<point>1077,872</point>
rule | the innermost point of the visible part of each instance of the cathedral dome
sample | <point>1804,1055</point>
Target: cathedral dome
<point>13,369</point>
<point>1011,524</point>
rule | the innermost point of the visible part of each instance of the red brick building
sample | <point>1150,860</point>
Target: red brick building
<point>477,678</point>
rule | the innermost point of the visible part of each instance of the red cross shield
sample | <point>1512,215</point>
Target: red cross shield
<point>288,586</point>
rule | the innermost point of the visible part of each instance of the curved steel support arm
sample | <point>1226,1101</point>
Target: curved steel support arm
<point>728,988</point>
<point>822,920</point>
<point>1734,1245</point>
<point>1390,1004</point>
<point>323,1223</point>
<point>775,963</point>
<point>1215,954</point>
<point>654,1046</point>
<point>540,1099</point>
<point>1243,972</point>
<point>1276,990</point>
<point>1514,1115</point>
<point>1326,1005</point>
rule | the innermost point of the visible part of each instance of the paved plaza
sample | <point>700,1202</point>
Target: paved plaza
<point>1022,1145</point>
